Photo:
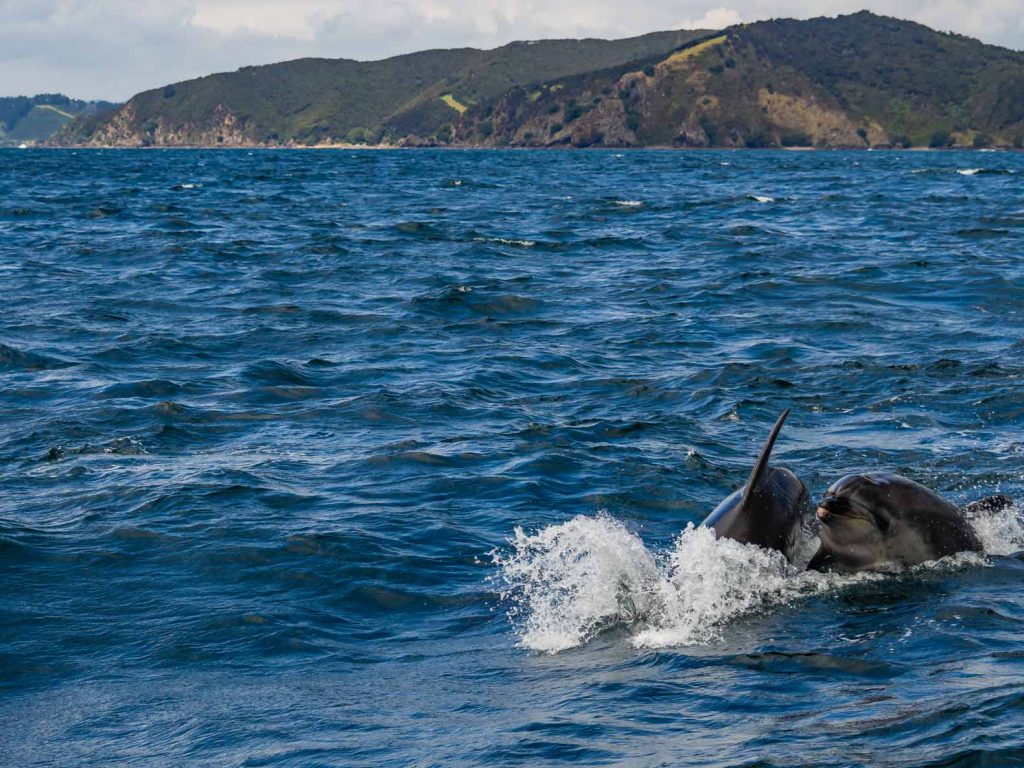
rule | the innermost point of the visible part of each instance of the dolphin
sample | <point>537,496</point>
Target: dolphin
<point>882,521</point>
<point>769,510</point>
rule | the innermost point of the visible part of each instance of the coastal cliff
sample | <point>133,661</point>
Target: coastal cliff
<point>854,81</point>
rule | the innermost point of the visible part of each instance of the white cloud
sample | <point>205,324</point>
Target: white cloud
<point>114,48</point>
<point>296,19</point>
<point>716,18</point>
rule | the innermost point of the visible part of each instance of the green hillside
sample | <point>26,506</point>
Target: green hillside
<point>34,119</point>
<point>907,77</point>
<point>852,81</point>
<point>310,101</point>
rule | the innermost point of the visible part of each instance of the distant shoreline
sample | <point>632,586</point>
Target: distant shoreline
<point>851,82</point>
<point>468,148</point>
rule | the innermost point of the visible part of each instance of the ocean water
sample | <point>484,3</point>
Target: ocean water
<point>390,458</point>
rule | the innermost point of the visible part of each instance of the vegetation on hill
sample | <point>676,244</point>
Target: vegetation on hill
<point>856,81</point>
<point>913,80</point>
<point>33,119</point>
<point>313,101</point>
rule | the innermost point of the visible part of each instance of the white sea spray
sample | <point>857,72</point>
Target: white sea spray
<point>567,582</point>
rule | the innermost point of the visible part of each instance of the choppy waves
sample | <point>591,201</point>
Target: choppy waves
<point>265,414</point>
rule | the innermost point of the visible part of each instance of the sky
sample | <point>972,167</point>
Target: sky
<point>112,49</point>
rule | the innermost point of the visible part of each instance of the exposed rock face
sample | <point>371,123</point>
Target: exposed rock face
<point>126,129</point>
<point>606,124</point>
<point>118,131</point>
<point>803,115</point>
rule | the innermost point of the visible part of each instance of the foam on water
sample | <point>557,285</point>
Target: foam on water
<point>568,582</point>
<point>507,241</point>
<point>1002,532</point>
<point>709,581</point>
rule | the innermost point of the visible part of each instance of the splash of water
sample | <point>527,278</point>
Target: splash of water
<point>709,581</point>
<point>1002,532</point>
<point>568,582</point>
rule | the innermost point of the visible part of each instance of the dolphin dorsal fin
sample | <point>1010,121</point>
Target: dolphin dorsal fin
<point>762,461</point>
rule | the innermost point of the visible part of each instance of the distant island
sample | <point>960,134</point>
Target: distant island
<point>35,119</point>
<point>860,80</point>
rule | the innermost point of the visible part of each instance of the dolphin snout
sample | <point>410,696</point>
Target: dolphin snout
<point>827,506</point>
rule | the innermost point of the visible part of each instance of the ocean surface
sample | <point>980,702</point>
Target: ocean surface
<point>389,458</point>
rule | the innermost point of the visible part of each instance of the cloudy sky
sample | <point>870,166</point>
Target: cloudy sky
<point>112,49</point>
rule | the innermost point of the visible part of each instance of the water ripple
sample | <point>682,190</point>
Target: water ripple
<point>289,438</point>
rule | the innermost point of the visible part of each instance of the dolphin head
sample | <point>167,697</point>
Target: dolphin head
<point>880,520</point>
<point>856,521</point>
<point>782,485</point>
<point>773,491</point>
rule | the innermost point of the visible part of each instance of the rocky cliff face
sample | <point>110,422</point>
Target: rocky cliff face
<point>127,128</point>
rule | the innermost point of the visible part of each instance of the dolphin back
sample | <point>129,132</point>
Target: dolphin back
<point>766,511</point>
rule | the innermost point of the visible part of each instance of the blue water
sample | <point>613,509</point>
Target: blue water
<point>269,422</point>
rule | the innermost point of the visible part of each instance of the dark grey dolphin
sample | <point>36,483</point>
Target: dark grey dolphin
<point>769,510</point>
<point>880,521</point>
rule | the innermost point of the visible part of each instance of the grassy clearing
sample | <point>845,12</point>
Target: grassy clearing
<point>679,57</point>
<point>454,103</point>
<point>58,111</point>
